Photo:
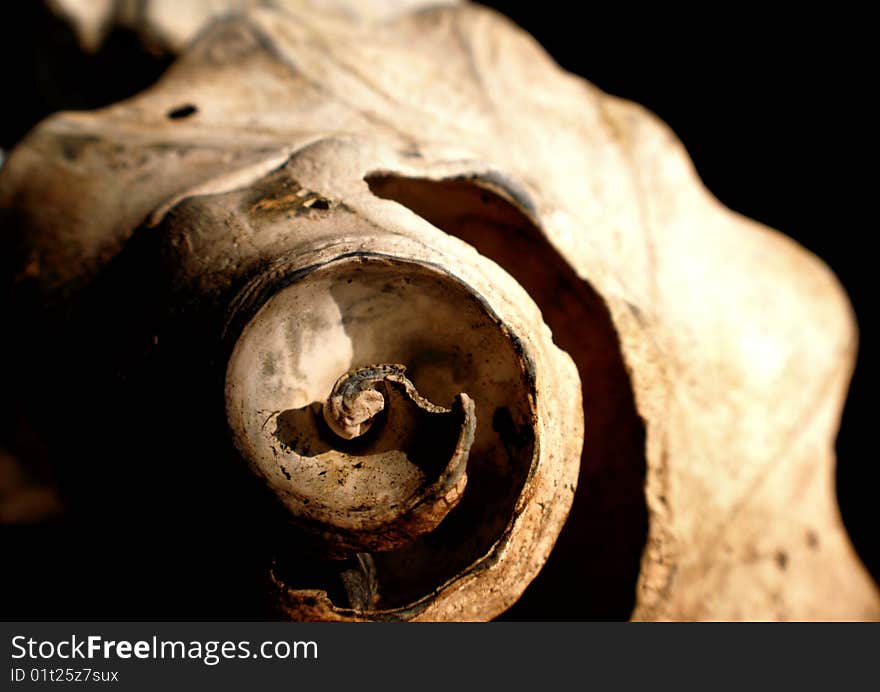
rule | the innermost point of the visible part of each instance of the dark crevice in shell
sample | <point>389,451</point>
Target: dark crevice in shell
<point>593,570</point>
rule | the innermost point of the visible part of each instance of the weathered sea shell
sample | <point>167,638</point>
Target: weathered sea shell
<point>319,193</point>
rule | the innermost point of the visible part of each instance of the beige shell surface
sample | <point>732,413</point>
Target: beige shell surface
<point>169,25</point>
<point>738,343</point>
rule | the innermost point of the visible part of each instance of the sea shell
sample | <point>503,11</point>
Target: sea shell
<point>318,192</point>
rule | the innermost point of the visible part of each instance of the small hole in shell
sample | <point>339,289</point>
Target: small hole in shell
<point>181,112</point>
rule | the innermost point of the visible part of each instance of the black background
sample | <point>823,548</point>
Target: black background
<point>774,110</point>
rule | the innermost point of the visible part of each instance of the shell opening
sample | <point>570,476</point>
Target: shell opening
<point>414,468</point>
